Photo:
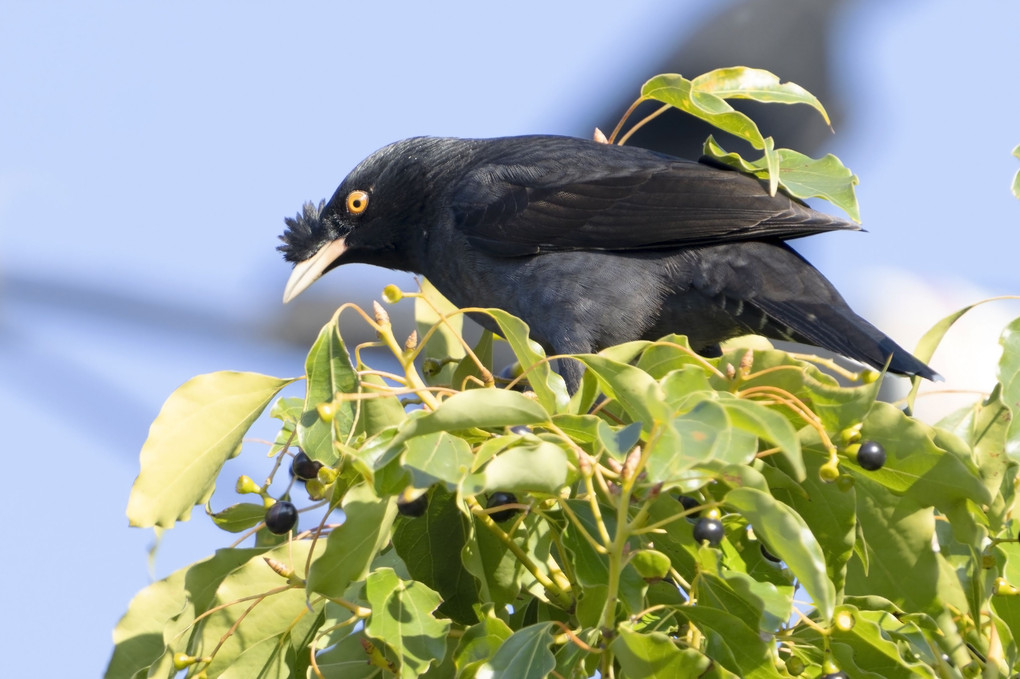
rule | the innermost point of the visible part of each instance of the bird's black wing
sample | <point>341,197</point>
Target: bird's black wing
<point>569,194</point>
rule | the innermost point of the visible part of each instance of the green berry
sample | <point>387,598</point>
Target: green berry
<point>828,472</point>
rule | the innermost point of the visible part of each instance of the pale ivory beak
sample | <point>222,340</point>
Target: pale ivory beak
<point>307,272</point>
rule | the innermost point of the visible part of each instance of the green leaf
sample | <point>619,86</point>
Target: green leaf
<point>915,466</point>
<point>422,541</point>
<point>481,408</point>
<point>740,82</point>
<point>240,517</point>
<point>785,530</point>
<point>768,424</point>
<point>831,516</point>
<point>499,572</point>
<point>348,660</point>
<point>732,642</point>
<point>898,536</point>
<point>677,91</point>
<point>537,467</point>
<point>656,656</point>
<point>479,643</point>
<point>635,390</point>
<point>930,340</point>
<point>445,340</point>
<point>198,429</point>
<point>700,437</point>
<point>379,412</point>
<point>402,619</point>
<point>440,456</point>
<point>1009,378</point>
<point>548,386</point>
<point>467,368</point>
<point>329,371</point>
<point>804,177</point>
<point>799,175</point>
<point>265,636</point>
<point>351,547</point>
<point>525,655</point>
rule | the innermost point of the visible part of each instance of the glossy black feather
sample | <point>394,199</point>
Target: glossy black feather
<point>537,194</point>
<point>592,245</point>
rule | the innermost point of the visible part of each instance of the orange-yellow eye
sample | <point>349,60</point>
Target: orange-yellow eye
<point>357,201</point>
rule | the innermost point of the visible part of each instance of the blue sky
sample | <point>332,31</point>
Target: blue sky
<point>150,150</point>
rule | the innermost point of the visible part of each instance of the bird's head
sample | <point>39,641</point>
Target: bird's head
<point>378,215</point>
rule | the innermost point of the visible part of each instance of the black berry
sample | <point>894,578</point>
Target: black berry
<point>520,429</point>
<point>836,675</point>
<point>304,467</point>
<point>498,500</point>
<point>710,530</point>
<point>281,517</point>
<point>769,555</point>
<point>871,455</point>
<point>413,508</point>
<point>689,503</point>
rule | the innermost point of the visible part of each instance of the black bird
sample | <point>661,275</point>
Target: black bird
<point>590,244</point>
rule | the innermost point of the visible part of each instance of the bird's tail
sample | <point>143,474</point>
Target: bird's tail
<point>836,327</point>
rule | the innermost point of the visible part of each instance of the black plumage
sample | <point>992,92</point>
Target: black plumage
<point>590,244</point>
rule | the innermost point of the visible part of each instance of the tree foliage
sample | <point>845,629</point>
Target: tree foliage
<point>677,516</point>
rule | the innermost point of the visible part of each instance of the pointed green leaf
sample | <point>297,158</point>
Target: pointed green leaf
<point>873,648</point>
<point>785,530</point>
<point>930,340</point>
<point>264,637</point>
<point>635,390</point>
<point>198,429</point>
<point>525,655</point>
<point>477,408</point>
<point>479,643</point>
<point>548,386</point>
<point>329,371</point>
<point>916,466</point>
<point>1009,378</point>
<point>351,547</point>
<point>442,530</point>
<point>402,619</point>
<point>348,660</point>
<point>831,516</point>
<point>445,340</point>
<point>440,456</point>
<point>656,656</point>
<point>677,91</point>
<point>740,82</point>
<point>538,467</point>
<point>379,412</point>
<point>767,424</point>
<point>732,642</point>
<point>240,517</point>
<point>825,177</point>
<point>705,435</point>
